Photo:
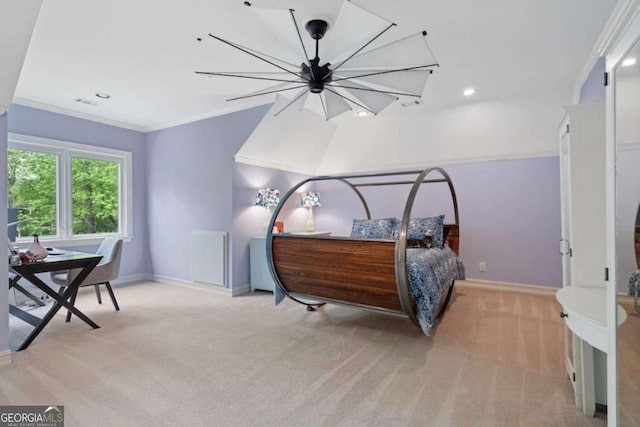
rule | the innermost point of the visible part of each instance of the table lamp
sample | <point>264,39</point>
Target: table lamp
<point>268,198</point>
<point>310,199</point>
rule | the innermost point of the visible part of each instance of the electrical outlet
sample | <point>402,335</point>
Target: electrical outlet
<point>482,266</point>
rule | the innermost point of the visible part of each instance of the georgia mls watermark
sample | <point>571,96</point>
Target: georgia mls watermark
<point>31,416</point>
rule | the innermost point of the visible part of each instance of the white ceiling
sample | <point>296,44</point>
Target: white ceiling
<point>144,52</point>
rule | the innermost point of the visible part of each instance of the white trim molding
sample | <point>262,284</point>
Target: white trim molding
<point>132,126</point>
<point>5,358</point>
<point>77,114</point>
<point>166,280</point>
<point>508,287</point>
<point>240,290</point>
<point>622,14</point>
<point>64,152</point>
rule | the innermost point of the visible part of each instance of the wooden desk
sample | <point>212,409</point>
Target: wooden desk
<point>28,271</point>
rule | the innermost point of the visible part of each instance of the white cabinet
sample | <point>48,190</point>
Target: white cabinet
<point>582,161</point>
<point>584,311</point>
<point>583,249</point>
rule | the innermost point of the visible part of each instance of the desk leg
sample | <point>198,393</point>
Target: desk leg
<point>588,380</point>
<point>60,301</point>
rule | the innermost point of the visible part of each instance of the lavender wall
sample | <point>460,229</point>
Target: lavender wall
<point>249,220</point>
<point>593,88</point>
<point>509,216</point>
<point>29,121</point>
<point>4,296</point>
<point>190,185</point>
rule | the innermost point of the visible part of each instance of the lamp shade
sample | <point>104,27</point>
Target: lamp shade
<point>267,197</point>
<point>310,199</point>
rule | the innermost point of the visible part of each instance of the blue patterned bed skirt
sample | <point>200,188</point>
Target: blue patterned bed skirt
<point>430,272</point>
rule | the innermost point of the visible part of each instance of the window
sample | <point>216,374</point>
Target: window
<point>67,192</point>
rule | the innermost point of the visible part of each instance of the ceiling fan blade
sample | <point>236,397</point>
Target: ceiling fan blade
<point>407,81</point>
<point>296,101</point>
<point>304,49</point>
<point>376,101</point>
<point>274,89</point>
<point>244,76</point>
<point>407,52</point>
<point>344,38</point>
<point>324,107</point>
<point>265,55</point>
<point>335,104</point>
<point>275,29</point>
<point>259,73</point>
<point>249,52</point>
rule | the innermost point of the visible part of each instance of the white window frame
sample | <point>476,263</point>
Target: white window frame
<point>64,151</point>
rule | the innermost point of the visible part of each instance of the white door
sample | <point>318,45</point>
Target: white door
<point>565,205</point>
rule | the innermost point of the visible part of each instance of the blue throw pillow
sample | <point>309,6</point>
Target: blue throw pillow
<point>421,227</point>
<point>374,228</point>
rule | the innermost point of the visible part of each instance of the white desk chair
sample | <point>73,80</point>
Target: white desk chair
<point>102,274</point>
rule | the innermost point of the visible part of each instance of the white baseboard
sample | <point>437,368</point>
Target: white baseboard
<point>5,357</point>
<point>132,278</point>
<point>240,290</point>
<point>180,282</point>
<point>508,287</point>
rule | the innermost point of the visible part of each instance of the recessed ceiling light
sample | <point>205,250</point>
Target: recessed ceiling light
<point>362,114</point>
<point>469,92</point>
<point>103,95</point>
<point>629,62</point>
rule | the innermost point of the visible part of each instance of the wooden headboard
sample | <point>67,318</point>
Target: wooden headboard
<point>453,236</point>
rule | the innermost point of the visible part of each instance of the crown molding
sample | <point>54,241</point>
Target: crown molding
<point>78,115</point>
<point>132,126</point>
<point>622,14</point>
<point>443,162</point>
<point>207,115</point>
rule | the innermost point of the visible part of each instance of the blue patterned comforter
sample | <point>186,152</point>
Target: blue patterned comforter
<point>429,272</point>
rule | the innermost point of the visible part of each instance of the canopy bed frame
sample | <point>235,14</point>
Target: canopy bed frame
<point>365,273</point>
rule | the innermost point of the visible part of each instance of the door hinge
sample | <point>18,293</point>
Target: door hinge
<point>606,274</point>
<point>570,252</point>
<point>567,127</point>
<point>606,79</point>
<point>574,377</point>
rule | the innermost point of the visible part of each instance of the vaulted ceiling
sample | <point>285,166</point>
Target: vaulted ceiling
<point>522,58</point>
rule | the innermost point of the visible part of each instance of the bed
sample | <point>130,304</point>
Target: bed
<point>400,271</point>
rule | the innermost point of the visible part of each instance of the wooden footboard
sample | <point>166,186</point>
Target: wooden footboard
<point>356,271</point>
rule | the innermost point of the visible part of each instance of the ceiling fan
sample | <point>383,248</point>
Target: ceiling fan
<point>371,76</point>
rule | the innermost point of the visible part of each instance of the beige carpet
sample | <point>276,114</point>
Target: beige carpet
<point>178,355</point>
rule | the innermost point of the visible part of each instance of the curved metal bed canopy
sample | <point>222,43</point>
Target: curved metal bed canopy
<point>401,246</point>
